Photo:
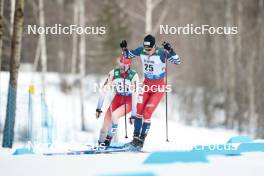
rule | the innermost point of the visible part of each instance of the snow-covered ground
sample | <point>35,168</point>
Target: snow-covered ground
<point>121,164</point>
<point>65,110</point>
<point>181,138</point>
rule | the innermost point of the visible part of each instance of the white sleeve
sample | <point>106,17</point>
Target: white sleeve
<point>108,82</point>
<point>135,82</point>
<point>100,101</point>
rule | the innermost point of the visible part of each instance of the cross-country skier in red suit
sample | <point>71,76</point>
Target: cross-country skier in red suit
<point>116,79</point>
<point>154,68</point>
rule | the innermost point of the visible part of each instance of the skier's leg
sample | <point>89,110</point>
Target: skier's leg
<point>108,119</point>
<point>142,100</point>
<point>105,126</point>
<point>116,114</point>
<point>150,106</point>
<point>119,112</point>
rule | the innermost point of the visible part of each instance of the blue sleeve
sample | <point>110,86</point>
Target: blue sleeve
<point>170,56</point>
<point>134,53</point>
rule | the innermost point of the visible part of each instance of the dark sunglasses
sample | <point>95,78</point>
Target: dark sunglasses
<point>147,49</point>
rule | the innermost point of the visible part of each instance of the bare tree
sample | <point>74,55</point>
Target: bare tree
<point>74,37</point>
<point>230,77</point>
<point>1,43</point>
<point>14,66</point>
<point>12,12</point>
<point>43,50</point>
<point>1,29</point>
<point>259,73</point>
<point>147,18</point>
<point>37,56</point>
<point>82,62</point>
<point>250,69</point>
<point>150,7</point>
<point>61,52</point>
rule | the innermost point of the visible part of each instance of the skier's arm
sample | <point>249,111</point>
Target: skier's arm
<point>135,82</point>
<point>130,53</point>
<point>173,57</point>
<point>170,54</point>
<point>108,82</point>
<point>135,52</point>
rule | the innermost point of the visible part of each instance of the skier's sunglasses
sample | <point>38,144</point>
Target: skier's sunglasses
<point>147,48</point>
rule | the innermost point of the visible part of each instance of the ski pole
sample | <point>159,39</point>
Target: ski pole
<point>166,99</point>
<point>124,90</point>
<point>125,120</point>
<point>166,96</point>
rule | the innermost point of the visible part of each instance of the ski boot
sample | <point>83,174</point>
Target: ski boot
<point>141,141</point>
<point>107,141</point>
<point>137,143</point>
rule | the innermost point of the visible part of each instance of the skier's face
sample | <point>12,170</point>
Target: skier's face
<point>124,66</point>
<point>149,51</point>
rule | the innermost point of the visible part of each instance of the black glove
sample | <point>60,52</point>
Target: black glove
<point>123,44</point>
<point>167,46</point>
<point>98,113</point>
<point>131,119</point>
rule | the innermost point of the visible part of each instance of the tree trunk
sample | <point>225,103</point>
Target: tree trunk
<point>259,67</point>
<point>14,66</point>
<point>43,49</point>
<point>1,42</point>
<point>251,90</point>
<point>1,28</point>
<point>251,84</point>
<point>230,94</point>
<point>82,62</point>
<point>37,56</point>
<point>148,17</point>
<point>12,12</point>
<point>239,114</point>
<point>61,54</point>
<point>74,37</point>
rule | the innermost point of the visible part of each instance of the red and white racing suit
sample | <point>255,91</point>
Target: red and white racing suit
<point>123,95</point>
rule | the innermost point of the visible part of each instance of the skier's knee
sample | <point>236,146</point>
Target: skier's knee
<point>148,120</point>
<point>103,131</point>
<point>147,114</point>
<point>115,119</point>
<point>140,109</point>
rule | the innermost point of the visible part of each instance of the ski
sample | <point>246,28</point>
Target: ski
<point>80,152</point>
<point>97,150</point>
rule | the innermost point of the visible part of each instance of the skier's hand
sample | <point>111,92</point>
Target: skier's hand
<point>123,44</point>
<point>98,113</point>
<point>167,46</point>
<point>131,120</point>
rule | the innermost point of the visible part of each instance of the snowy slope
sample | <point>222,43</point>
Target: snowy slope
<point>65,110</point>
